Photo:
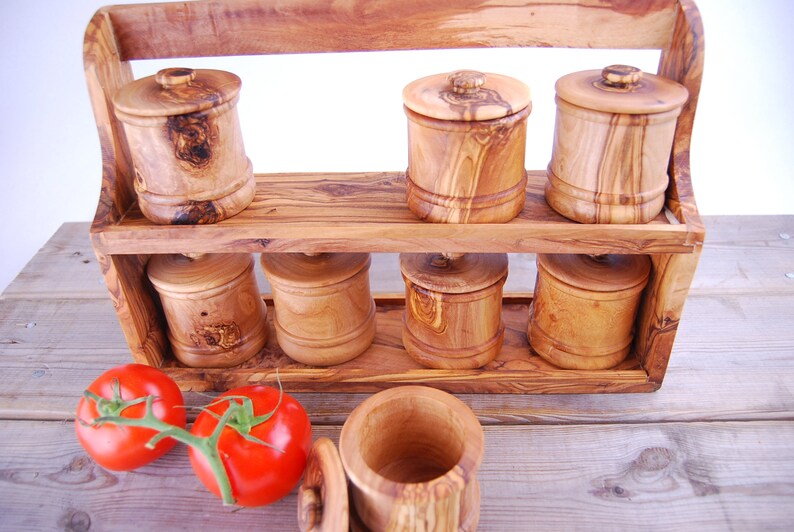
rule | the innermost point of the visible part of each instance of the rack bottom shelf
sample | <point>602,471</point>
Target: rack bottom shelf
<point>385,364</point>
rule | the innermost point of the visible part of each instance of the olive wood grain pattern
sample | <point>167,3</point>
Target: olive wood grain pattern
<point>612,138</point>
<point>254,27</point>
<point>119,34</point>
<point>105,74</point>
<point>216,317</point>
<point>609,168</point>
<point>324,312</point>
<point>386,364</point>
<point>322,496</point>
<point>682,61</point>
<point>453,308</point>
<point>412,454</point>
<point>584,307</point>
<point>186,143</point>
<point>366,212</point>
<point>661,309</point>
<point>466,172</point>
<point>136,305</point>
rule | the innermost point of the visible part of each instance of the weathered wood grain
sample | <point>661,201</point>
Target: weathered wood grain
<point>708,476</point>
<point>746,255</point>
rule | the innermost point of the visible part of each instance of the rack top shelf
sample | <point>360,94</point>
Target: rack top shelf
<point>368,212</point>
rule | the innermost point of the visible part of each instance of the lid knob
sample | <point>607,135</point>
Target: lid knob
<point>444,260</point>
<point>171,77</point>
<point>466,81</point>
<point>621,76</point>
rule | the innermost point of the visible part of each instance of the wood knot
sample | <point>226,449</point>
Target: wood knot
<point>76,521</point>
<point>654,459</point>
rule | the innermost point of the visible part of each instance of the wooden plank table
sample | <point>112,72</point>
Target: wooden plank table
<point>713,449</point>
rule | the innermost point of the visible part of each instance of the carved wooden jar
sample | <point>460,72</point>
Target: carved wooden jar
<point>453,308</point>
<point>324,313</point>
<point>215,314</point>
<point>582,315</point>
<point>467,138</point>
<point>612,143</point>
<point>185,140</point>
<point>411,454</point>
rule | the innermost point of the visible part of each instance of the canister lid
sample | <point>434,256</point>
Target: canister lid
<point>455,274</point>
<point>323,269</point>
<point>177,91</point>
<point>466,95</point>
<point>597,273</point>
<point>183,274</point>
<point>322,496</point>
<point>621,89</point>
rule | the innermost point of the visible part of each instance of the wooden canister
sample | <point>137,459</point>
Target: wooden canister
<point>411,454</point>
<point>186,144</point>
<point>467,138</point>
<point>583,312</point>
<point>324,312</point>
<point>453,308</point>
<point>215,314</point>
<point>612,143</point>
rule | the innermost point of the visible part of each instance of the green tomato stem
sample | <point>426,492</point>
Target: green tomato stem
<point>238,416</point>
<point>207,446</point>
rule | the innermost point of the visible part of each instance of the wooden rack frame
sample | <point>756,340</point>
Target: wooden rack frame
<point>362,212</point>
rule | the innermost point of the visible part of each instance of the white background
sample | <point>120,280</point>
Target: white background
<point>344,112</point>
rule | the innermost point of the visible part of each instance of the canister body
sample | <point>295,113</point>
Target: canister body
<point>412,455</point>
<point>609,167</point>
<point>466,172</point>
<point>324,312</point>
<point>583,311</point>
<point>186,144</point>
<point>452,325</point>
<point>215,314</point>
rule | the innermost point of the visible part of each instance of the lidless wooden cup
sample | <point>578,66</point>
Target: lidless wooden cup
<point>453,308</point>
<point>324,312</point>
<point>612,142</point>
<point>411,454</point>
<point>216,317</point>
<point>186,144</point>
<point>467,138</point>
<point>583,312</point>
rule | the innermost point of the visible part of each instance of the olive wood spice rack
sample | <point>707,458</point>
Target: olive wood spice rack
<point>367,212</point>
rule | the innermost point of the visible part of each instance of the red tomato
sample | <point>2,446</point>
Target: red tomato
<point>122,448</point>
<point>258,474</point>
